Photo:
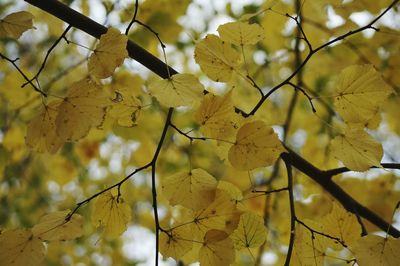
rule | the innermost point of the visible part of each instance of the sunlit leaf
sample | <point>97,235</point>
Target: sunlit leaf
<point>175,242</point>
<point>341,224</point>
<point>20,248</point>
<point>54,226</point>
<point>13,25</point>
<point>179,90</point>
<point>357,149</point>
<point>41,133</point>
<point>126,108</point>
<point>216,116</point>
<point>83,108</point>
<point>111,213</point>
<point>256,145</point>
<point>250,233</point>
<point>109,54</point>
<point>216,58</point>
<point>241,33</point>
<point>376,250</point>
<point>193,189</point>
<point>360,91</point>
<point>217,249</point>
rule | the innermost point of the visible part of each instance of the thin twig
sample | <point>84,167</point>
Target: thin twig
<point>292,213</point>
<point>133,18</point>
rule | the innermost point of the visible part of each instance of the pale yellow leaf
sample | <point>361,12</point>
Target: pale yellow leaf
<point>111,213</point>
<point>126,108</point>
<point>256,145</point>
<point>217,249</point>
<point>109,54</point>
<point>41,133</point>
<point>250,233</point>
<point>13,25</point>
<point>83,108</point>
<point>176,242</point>
<point>360,91</point>
<point>193,189</point>
<point>374,250</point>
<point>54,226</point>
<point>216,58</point>
<point>241,33</point>
<point>179,90</point>
<point>357,149</point>
<point>20,248</point>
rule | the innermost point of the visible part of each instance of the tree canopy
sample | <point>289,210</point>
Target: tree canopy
<point>218,132</point>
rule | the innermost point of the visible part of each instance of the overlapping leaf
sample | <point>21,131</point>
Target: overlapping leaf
<point>360,91</point>
<point>54,226</point>
<point>111,213</point>
<point>20,248</point>
<point>241,33</point>
<point>357,149</point>
<point>13,25</point>
<point>250,232</point>
<point>256,145</point>
<point>194,189</point>
<point>41,133</point>
<point>179,90</point>
<point>216,58</point>
<point>109,54</point>
<point>126,109</point>
<point>217,249</point>
<point>217,117</point>
<point>83,108</point>
<point>176,242</point>
<point>376,250</point>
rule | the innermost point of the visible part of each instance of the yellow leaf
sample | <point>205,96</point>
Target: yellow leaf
<point>175,242</point>
<point>15,24</point>
<point>109,54</point>
<point>179,90</point>
<point>256,145</point>
<point>112,213</point>
<point>217,249</point>
<point>54,226</point>
<point>41,133</point>
<point>341,224</point>
<point>374,250</point>
<point>126,109</point>
<point>82,108</point>
<point>241,33</point>
<point>250,233</point>
<point>20,248</point>
<point>216,58</point>
<point>216,116</point>
<point>194,189</point>
<point>357,149</point>
<point>360,91</point>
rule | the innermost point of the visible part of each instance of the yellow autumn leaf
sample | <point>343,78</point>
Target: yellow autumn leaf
<point>54,226</point>
<point>256,145</point>
<point>109,54</point>
<point>360,91</point>
<point>216,58</point>
<point>241,33</point>
<point>13,25</point>
<point>176,242</point>
<point>193,189</point>
<point>372,250</point>
<point>179,90</point>
<point>126,108</point>
<point>216,116</point>
<point>41,132</point>
<point>20,248</point>
<point>341,224</point>
<point>250,233</point>
<point>357,149</point>
<point>217,249</point>
<point>111,213</point>
<point>83,108</point>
